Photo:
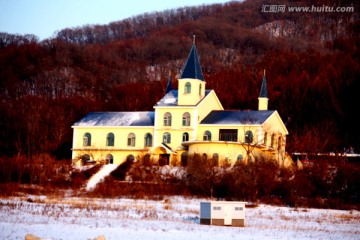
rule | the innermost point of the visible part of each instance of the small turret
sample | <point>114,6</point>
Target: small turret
<point>169,84</point>
<point>263,97</point>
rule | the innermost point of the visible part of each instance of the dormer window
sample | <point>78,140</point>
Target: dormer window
<point>187,87</point>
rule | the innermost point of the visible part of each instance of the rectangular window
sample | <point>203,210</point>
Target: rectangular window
<point>216,208</point>
<point>230,135</point>
<point>238,208</point>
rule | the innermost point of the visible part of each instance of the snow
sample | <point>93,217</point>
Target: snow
<point>174,218</point>
<point>170,218</point>
<point>100,175</point>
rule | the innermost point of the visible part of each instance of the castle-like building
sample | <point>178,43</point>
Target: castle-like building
<point>187,121</point>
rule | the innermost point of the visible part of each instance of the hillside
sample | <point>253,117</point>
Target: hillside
<point>312,65</point>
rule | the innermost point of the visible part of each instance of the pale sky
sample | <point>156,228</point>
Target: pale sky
<point>44,17</point>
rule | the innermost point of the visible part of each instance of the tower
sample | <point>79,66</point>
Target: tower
<point>191,82</point>
<point>263,97</point>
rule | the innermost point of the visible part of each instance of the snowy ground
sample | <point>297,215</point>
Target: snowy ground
<point>171,218</point>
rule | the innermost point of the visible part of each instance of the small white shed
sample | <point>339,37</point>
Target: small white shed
<point>222,213</point>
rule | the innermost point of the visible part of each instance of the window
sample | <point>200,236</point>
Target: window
<point>130,158</point>
<point>187,87</point>
<point>148,140</point>
<point>184,159</point>
<point>216,208</point>
<point>87,139</point>
<point>109,159</point>
<point>166,138</point>
<point>110,139</point>
<point>185,137</point>
<point>272,140</point>
<point>204,156</point>
<point>167,119</point>
<point>216,159</point>
<point>239,208</point>
<point>279,143</point>
<point>228,135</point>
<point>265,138</point>
<point>240,158</point>
<point>186,119</point>
<point>131,140</point>
<point>249,137</point>
<point>207,136</point>
<point>200,89</point>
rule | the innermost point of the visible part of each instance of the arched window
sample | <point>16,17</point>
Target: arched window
<point>130,158</point>
<point>227,157</point>
<point>110,139</point>
<point>204,156</point>
<point>185,137</point>
<point>279,143</point>
<point>148,140</point>
<point>87,140</point>
<point>186,119</point>
<point>166,138</point>
<point>216,159</point>
<point>272,140</point>
<point>109,159</point>
<point>167,119</point>
<point>85,159</point>
<point>207,136</point>
<point>187,87</point>
<point>240,158</point>
<point>265,138</point>
<point>184,159</point>
<point>249,137</point>
<point>131,140</point>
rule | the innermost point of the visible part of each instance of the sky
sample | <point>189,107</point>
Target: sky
<point>44,18</point>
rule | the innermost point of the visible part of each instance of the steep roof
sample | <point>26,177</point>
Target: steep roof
<point>235,117</point>
<point>192,67</point>
<point>169,85</point>
<point>263,90</point>
<point>171,99</point>
<point>117,119</point>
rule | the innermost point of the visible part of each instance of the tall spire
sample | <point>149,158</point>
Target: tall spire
<point>192,68</point>
<point>263,98</point>
<point>263,90</point>
<point>169,84</point>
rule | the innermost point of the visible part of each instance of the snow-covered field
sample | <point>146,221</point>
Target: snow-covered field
<point>171,218</point>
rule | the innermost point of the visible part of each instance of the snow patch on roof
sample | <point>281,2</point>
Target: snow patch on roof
<point>117,119</point>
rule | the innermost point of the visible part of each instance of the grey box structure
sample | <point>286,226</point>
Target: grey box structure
<point>222,213</point>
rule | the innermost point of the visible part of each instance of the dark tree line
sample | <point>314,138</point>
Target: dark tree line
<point>312,72</point>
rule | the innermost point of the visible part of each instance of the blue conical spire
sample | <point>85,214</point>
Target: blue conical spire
<point>263,90</point>
<point>169,84</point>
<point>192,68</point>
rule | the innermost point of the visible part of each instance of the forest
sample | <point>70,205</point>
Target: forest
<point>312,64</point>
